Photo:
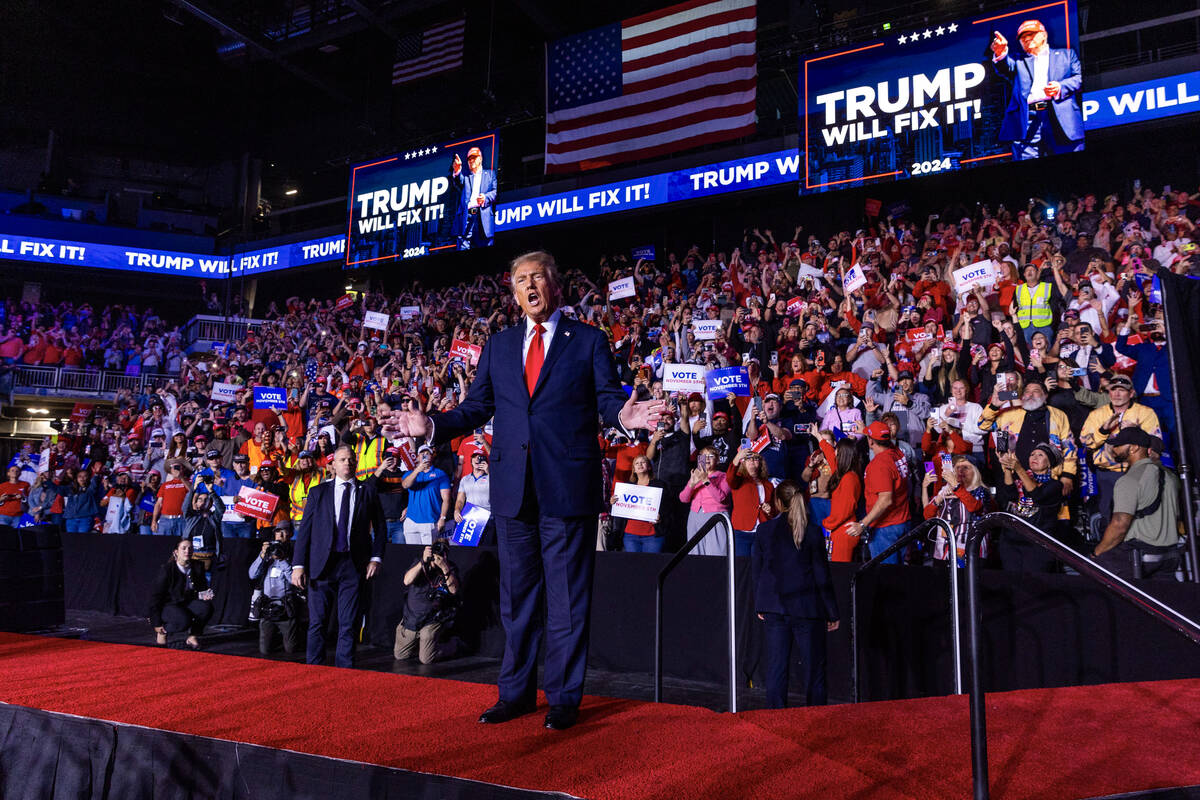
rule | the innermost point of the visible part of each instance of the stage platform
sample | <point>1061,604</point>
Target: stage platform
<point>163,723</point>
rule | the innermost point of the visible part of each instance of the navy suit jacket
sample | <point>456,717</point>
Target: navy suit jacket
<point>314,542</point>
<point>790,580</point>
<point>556,431</point>
<point>487,188</point>
<point>1018,71</point>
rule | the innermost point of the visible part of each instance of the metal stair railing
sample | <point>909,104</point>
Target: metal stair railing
<point>1086,567</point>
<point>717,519</point>
<point>915,533</point>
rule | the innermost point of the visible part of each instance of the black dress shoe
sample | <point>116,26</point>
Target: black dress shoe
<point>559,718</point>
<point>503,711</point>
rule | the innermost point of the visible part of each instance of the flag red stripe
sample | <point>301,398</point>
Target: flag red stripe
<point>660,125</point>
<point>688,27</point>
<point>744,37</point>
<point>748,60</point>
<point>650,105</point>
<point>668,11</point>
<point>651,152</point>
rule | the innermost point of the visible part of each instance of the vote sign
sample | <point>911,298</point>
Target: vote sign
<point>919,336</point>
<point>224,392</point>
<point>795,306</point>
<point>762,442</point>
<point>466,350</point>
<point>706,329</point>
<point>981,273</point>
<point>854,279</point>
<point>618,290</point>
<point>376,320</point>
<point>686,378</point>
<point>272,397</point>
<point>721,382</point>
<point>469,531</point>
<point>637,502</point>
<point>254,503</point>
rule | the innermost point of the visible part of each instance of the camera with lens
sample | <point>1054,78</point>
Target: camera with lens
<point>440,548</point>
<point>279,550</point>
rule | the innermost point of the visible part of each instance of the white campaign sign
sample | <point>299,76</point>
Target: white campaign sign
<point>706,328</point>
<point>854,279</point>
<point>224,392</point>
<point>637,502</point>
<point>621,289</point>
<point>410,312</point>
<point>981,273</point>
<point>376,320</point>
<point>686,378</point>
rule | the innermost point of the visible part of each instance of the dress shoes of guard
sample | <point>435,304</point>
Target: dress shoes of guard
<point>559,718</point>
<point>503,711</point>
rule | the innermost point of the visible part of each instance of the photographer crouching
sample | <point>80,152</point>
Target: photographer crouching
<point>432,599</point>
<point>278,605</point>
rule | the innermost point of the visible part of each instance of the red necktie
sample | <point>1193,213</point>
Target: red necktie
<point>533,361</point>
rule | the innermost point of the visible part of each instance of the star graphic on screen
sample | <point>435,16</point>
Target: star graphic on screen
<point>406,156</point>
<point>914,37</point>
<point>433,149</point>
<point>953,27</point>
<point>928,33</point>
<point>903,39</point>
<point>939,30</point>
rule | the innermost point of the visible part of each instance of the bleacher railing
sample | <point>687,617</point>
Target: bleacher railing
<point>85,382</point>
<point>206,327</point>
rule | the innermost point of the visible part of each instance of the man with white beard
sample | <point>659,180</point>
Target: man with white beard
<point>1020,425</point>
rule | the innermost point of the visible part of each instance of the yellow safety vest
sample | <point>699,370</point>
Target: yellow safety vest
<point>368,457</point>
<point>1033,308</point>
<point>298,491</point>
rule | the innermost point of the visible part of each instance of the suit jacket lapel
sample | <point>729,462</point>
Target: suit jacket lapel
<point>560,341</point>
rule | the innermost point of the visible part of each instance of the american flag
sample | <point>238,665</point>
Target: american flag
<point>438,48</point>
<point>659,83</point>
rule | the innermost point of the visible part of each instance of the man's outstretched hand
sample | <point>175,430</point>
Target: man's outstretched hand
<point>405,423</point>
<point>642,415</point>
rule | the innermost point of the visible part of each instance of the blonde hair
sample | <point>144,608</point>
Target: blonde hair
<point>789,498</point>
<point>976,479</point>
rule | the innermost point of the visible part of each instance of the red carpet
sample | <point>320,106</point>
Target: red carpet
<point>1063,743</point>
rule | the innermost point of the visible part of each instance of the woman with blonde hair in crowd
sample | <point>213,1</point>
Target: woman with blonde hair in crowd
<point>958,496</point>
<point>793,595</point>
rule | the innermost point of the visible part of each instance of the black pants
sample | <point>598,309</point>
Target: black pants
<point>808,637</point>
<point>338,589</point>
<point>1158,563</point>
<point>289,630</point>
<point>190,617</point>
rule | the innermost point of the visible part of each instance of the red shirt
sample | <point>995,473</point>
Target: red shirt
<point>888,472</point>
<point>466,449</point>
<point>172,493</point>
<point>12,508</point>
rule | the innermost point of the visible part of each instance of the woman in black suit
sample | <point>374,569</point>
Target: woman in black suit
<point>793,595</point>
<point>181,600</point>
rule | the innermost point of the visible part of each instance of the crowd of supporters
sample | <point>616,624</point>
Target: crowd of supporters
<point>900,400</point>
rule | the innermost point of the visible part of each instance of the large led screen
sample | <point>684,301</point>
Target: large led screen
<point>954,93</point>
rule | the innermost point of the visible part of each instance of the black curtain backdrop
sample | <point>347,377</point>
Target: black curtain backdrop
<point>1040,630</point>
<point>43,754</point>
<point>1181,299</point>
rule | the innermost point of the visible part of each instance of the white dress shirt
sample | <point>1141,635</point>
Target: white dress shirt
<point>1041,76</point>
<point>339,487</point>
<point>476,178</point>
<point>550,326</point>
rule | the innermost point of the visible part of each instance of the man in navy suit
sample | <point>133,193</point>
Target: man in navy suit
<point>546,380</point>
<point>474,218</point>
<point>1044,114</point>
<point>340,543</point>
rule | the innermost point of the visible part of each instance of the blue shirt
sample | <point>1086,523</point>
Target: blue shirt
<point>425,495</point>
